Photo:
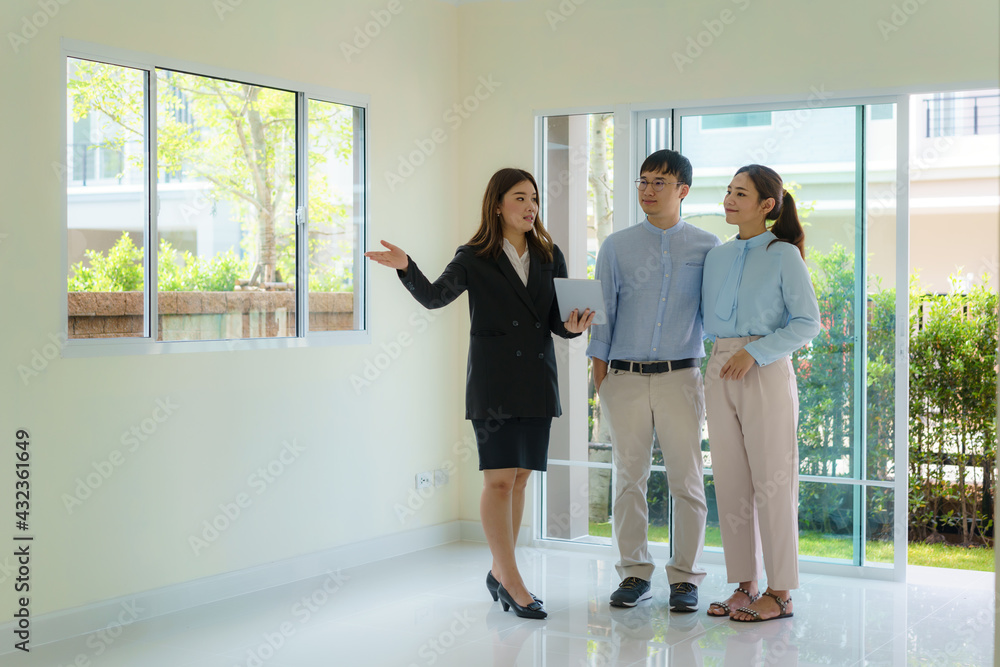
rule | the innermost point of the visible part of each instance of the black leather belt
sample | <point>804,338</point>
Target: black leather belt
<point>649,367</point>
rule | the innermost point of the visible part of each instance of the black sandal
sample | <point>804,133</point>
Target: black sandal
<point>725,607</point>
<point>756,617</point>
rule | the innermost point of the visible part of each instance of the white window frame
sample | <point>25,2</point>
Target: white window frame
<point>96,347</point>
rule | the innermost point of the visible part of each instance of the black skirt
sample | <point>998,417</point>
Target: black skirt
<point>516,442</point>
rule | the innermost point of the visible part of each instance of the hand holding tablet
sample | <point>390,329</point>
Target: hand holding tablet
<point>580,294</point>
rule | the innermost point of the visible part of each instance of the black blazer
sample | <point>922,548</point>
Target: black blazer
<point>512,362</point>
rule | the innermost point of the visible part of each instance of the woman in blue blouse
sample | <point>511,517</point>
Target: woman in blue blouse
<point>759,307</point>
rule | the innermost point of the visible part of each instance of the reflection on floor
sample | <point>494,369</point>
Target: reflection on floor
<point>432,608</point>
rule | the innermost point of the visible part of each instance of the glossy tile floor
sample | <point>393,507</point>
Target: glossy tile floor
<point>432,608</point>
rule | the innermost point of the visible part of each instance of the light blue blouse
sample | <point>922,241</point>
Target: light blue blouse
<point>750,289</point>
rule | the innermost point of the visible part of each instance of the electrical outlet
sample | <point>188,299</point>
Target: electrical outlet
<point>440,477</point>
<point>424,480</point>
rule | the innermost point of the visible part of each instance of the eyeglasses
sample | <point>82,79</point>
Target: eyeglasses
<point>642,184</point>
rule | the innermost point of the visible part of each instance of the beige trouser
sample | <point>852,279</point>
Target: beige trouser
<point>674,404</point>
<point>755,462</point>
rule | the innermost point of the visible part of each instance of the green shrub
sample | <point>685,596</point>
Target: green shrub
<point>120,271</point>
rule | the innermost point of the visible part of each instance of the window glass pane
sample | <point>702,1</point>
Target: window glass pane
<point>578,188</point>
<point>226,223</point>
<point>880,229</point>
<point>814,149</point>
<point>657,135</point>
<point>727,120</point>
<point>658,498</point>
<point>713,531</point>
<point>966,113</point>
<point>954,169</point>
<point>882,111</point>
<point>578,504</point>
<point>577,196</point>
<point>335,214</point>
<point>826,520</point>
<point>105,199</point>
<point>879,518</point>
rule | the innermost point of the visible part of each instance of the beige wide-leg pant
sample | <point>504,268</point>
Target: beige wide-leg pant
<point>674,404</point>
<point>755,461</point>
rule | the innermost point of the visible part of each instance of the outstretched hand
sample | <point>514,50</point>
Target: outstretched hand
<point>578,323</point>
<point>394,257</point>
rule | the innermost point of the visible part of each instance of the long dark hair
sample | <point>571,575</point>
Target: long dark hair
<point>786,219</point>
<point>488,239</point>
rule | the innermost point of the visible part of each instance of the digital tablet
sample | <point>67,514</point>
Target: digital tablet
<point>580,294</point>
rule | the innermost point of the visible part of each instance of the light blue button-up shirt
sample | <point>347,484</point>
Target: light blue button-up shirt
<point>651,279</point>
<point>751,289</point>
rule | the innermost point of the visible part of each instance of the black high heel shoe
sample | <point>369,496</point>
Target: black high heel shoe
<point>492,585</point>
<point>533,610</point>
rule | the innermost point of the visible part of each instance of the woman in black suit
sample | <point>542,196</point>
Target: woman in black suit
<point>511,393</point>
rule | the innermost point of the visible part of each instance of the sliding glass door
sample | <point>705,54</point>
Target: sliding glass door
<point>840,162</point>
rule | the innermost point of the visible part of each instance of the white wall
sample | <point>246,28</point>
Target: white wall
<point>237,408</point>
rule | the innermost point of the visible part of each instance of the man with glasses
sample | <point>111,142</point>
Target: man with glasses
<point>647,373</point>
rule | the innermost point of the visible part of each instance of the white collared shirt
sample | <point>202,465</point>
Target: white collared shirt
<point>520,264</point>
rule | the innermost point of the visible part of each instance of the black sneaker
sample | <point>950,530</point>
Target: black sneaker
<point>631,592</point>
<point>683,597</point>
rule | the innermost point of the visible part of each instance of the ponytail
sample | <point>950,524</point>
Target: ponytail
<point>786,227</point>
<point>786,223</point>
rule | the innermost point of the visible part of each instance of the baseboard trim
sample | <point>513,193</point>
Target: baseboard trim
<point>472,531</point>
<point>99,616</point>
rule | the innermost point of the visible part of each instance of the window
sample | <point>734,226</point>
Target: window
<point>845,178</point>
<point>207,206</point>
<point>576,176</point>
<point>732,120</point>
<point>961,114</point>
<point>882,111</point>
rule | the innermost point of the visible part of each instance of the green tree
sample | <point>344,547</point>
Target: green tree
<point>237,137</point>
<point>953,360</point>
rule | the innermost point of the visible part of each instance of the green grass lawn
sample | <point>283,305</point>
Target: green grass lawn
<point>817,544</point>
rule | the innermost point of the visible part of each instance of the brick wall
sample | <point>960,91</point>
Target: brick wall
<point>206,315</point>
